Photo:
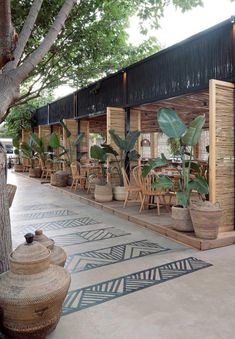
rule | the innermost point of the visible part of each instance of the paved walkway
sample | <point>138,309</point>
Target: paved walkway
<point>128,282</point>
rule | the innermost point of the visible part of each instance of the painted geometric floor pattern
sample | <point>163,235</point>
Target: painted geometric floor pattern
<point>88,260</point>
<point>39,207</point>
<point>99,293</point>
<point>87,236</point>
<point>44,214</point>
<point>61,224</point>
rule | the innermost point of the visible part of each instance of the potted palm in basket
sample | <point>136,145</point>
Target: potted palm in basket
<point>185,137</point>
<point>103,190</point>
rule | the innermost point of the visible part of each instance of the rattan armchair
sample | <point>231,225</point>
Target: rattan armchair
<point>78,179</point>
<point>130,189</point>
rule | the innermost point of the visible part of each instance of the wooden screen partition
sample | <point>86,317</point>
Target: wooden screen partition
<point>135,124</point>
<point>115,120</point>
<point>73,128</point>
<point>84,145</point>
<point>44,132</point>
<point>221,157</point>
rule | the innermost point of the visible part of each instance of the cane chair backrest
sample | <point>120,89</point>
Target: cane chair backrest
<point>126,180</point>
<point>75,169</point>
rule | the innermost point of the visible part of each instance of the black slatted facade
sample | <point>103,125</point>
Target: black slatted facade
<point>95,98</point>
<point>41,116</point>
<point>183,68</point>
<point>62,109</point>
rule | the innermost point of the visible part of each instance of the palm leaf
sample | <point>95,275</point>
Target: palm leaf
<point>170,123</point>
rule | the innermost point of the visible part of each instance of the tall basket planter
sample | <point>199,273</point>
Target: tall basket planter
<point>103,193</point>
<point>206,219</point>
<point>181,219</point>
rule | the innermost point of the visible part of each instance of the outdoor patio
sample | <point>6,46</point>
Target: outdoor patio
<point>127,281</point>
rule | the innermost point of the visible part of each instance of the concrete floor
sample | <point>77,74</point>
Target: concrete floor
<point>168,300</point>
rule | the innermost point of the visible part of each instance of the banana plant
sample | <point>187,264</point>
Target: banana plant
<point>100,153</point>
<point>187,137</point>
<point>54,142</point>
<point>16,144</point>
<point>126,150</point>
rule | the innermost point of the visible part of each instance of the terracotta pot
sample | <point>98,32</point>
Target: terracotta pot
<point>35,172</point>
<point>58,255</point>
<point>32,292</point>
<point>206,219</point>
<point>103,193</point>
<point>181,219</point>
<point>119,193</point>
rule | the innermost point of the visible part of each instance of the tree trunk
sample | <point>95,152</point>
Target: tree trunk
<point>9,91</point>
<point>5,226</point>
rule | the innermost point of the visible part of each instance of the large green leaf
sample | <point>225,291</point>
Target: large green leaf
<point>98,153</point>
<point>182,198</point>
<point>193,133</point>
<point>16,142</point>
<point>200,185</point>
<point>117,139</point>
<point>154,163</point>
<point>109,149</point>
<point>170,123</point>
<point>163,182</point>
<point>54,141</point>
<point>130,140</point>
<point>133,155</point>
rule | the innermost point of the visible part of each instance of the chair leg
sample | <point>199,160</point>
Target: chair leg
<point>142,203</point>
<point>127,196</point>
<point>158,205</point>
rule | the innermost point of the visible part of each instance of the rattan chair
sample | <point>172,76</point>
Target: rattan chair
<point>78,179</point>
<point>130,189</point>
<point>151,196</point>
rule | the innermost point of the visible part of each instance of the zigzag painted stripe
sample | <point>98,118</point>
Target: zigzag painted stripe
<point>60,224</point>
<point>39,207</point>
<point>106,256</point>
<point>99,293</point>
<point>87,236</point>
<point>41,215</point>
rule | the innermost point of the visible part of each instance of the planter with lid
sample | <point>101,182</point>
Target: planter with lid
<point>32,292</point>
<point>58,255</point>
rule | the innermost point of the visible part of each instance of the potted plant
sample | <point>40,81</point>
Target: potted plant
<point>18,166</point>
<point>29,153</point>
<point>126,153</point>
<point>103,190</point>
<point>185,137</point>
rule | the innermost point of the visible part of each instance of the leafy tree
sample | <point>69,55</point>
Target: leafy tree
<point>92,32</point>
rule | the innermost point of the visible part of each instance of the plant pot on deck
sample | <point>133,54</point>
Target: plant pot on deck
<point>181,219</point>
<point>119,193</point>
<point>206,219</point>
<point>18,167</point>
<point>35,172</point>
<point>59,179</point>
<point>103,193</point>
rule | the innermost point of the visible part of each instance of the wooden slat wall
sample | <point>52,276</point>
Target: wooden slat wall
<point>153,146</point>
<point>115,120</point>
<point>221,158</point>
<point>44,132</point>
<point>135,124</point>
<point>73,127</point>
<point>25,138</point>
<point>84,146</point>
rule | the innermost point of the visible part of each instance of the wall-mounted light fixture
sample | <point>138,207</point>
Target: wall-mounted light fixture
<point>145,143</point>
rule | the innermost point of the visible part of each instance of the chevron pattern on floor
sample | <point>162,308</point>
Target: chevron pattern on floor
<point>87,236</point>
<point>39,207</point>
<point>61,224</point>
<point>88,260</point>
<point>93,295</point>
<point>42,215</point>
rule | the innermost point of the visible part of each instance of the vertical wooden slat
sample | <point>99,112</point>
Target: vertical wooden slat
<point>153,146</point>
<point>115,120</point>
<point>221,156</point>
<point>44,132</point>
<point>84,146</point>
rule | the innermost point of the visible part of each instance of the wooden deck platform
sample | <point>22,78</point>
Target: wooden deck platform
<point>149,219</point>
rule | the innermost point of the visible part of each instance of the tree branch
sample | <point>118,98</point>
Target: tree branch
<point>25,33</point>
<point>6,46</point>
<point>29,64</point>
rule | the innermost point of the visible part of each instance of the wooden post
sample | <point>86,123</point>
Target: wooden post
<point>67,142</point>
<point>84,146</point>
<point>221,153</point>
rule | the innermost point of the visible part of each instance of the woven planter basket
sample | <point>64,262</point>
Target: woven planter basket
<point>181,219</point>
<point>58,255</point>
<point>59,179</point>
<point>103,193</point>
<point>206,219</point>
<point>32,292</point>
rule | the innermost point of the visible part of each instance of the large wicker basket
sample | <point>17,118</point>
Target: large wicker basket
<point>59,179</point>
<point>32,292</point>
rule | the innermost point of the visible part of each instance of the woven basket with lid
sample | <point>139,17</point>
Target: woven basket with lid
<point>58,255</point>
<point>32,292</point>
